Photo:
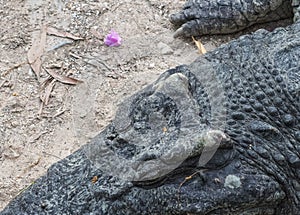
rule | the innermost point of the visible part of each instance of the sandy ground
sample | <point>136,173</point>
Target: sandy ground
<point>32,135</point>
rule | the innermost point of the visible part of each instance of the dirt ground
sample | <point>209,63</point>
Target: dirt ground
<point>34,135</point>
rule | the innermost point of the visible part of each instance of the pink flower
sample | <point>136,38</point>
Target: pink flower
<point>113,39</point>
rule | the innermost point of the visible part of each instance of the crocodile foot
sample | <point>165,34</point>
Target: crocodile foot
<point>201,17</point>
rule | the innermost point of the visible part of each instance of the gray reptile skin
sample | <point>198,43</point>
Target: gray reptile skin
<point>201,17</point>
<point>242,97</point>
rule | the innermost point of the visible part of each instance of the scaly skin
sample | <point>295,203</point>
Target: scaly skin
<point>201,17</point>
<point>243,96</point>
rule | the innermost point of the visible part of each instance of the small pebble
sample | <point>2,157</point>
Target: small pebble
<point>164,48</point>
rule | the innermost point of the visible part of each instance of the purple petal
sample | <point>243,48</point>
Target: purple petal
<point>113,39</point>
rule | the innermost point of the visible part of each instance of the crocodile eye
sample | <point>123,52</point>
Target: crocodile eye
<point>220,156</point>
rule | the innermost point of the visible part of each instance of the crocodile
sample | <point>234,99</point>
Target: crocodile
<point>218,136</point>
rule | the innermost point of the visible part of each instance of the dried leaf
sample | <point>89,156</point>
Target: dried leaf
<point>94,179</point>
<point>200,46</point>
<point>36,67</point>
<point>48,89</point>
<point>36,51</point>
<point>165,129</point>
<point>62,78</point>
<point>54,31</point>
